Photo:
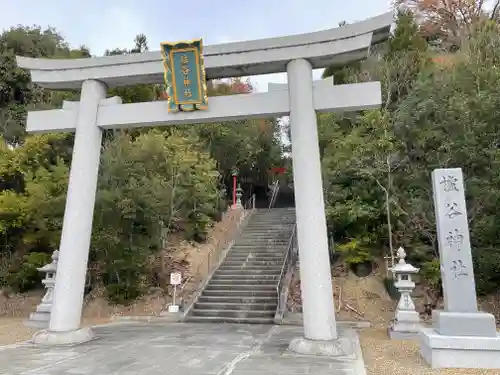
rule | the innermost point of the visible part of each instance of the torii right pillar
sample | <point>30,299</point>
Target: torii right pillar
<point>320,329</point>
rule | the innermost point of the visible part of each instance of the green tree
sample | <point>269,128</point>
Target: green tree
<point>362,154</point>
<point>149,187</point>
<point>17,94</point>
<point>450,120</point>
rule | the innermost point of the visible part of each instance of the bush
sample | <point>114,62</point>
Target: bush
<point>122,293</point>
<point>431,273</point>
<point>391,289</point>
<point>26,276</point>
<point>196,228</point>
<point>486,270</point>
<point>150,187</point>
<point>355,251</point>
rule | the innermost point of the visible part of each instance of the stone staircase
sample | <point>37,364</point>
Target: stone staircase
<point>243,289</point>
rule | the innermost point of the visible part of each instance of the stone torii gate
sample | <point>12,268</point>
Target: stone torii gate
<point>300,98</point>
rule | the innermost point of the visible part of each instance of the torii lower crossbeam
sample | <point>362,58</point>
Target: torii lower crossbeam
<point>114,115</point>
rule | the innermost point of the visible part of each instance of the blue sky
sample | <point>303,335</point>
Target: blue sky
<point>101,24</point>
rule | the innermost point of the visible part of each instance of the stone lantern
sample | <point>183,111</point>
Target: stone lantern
<point>239,194</point>
<point>41,317</point>
<point>406,323</point>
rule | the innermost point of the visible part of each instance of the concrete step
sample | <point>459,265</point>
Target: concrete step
<point>276,248</point>
<point>253,306</point>
<point>245,279</point>
<point>257,253</point>
<point>256,243</point>
<point>246,276</point>
<point>256,292</point>
<point>273,214</point>
<point>254,240</point>
<point>270,224</point>
<point>237,299</point>
<point>250,254</point>
<point>250,260</point>
<point>266,233</point>
<point>258,221</point>
<point>227,286</point>
<point>254,268</point>
<point>250,263</point>
<point>235,313</point>
<point>263,238</point>
<point>214,319</point>
<point>256,250</point>
<point>248,271</point>
<point>253,258</point>
<point>260,245</point>
<point>264,251</point>
<point>277,217</point>
<point>267,229</point>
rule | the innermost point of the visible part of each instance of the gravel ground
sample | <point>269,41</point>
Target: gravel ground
<point>382,356</point>
<point>392,357</point>
<point>13,330</point>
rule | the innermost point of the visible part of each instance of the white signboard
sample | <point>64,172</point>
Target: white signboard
<point>175,278</point>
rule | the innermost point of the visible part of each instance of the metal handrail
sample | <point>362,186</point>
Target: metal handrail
<point>274,195</point>
<point>250,203</point>
<point>288,257</point>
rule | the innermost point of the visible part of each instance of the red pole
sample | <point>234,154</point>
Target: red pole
<point>234,191</point>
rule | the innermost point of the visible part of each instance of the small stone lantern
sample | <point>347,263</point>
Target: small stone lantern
<point>41,317</point>
<point>239,194</point>
<point>406,323</point>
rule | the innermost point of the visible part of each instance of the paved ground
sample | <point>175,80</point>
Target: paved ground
<point>182,349</point>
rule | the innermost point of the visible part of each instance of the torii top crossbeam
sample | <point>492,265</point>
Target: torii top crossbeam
<point>262,56</point>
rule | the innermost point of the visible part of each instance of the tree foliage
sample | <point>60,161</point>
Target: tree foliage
<point>434,116</point>
<point>448,22</point>
<point>149,187</point>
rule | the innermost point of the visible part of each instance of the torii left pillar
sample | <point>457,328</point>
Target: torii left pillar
<point>65,320</point>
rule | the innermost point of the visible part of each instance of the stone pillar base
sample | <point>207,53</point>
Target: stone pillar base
<point>333,348</point>
<point>441,351</point>
<point>448,323</point>
<point>406,326</point>
<point>404,330</point>
<point>55,338</point>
